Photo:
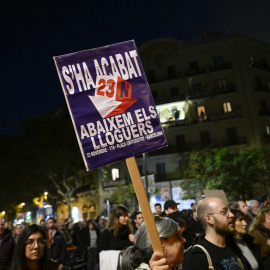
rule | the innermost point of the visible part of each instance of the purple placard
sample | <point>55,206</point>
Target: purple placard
<point>110,103</point>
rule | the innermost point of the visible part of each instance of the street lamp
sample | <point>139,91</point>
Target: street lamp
<point>22,205</point>
<point>45,194</point>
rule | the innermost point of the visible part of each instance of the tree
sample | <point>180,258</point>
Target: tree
<point>234,172</point>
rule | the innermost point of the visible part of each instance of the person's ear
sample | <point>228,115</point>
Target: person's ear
<point>209,219</point>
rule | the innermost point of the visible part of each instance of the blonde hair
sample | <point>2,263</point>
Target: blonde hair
<point>259,219</point>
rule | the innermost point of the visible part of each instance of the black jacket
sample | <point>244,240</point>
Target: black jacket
<point>108,241</point>
<point>254,248</point>
<point>58,247</point>
<point>6,249</point>
<point>87,238</point>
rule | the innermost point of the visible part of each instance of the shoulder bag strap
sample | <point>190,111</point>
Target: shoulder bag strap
<point>210,265</point>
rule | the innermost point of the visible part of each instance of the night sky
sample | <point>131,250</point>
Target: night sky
<point>32,32</point>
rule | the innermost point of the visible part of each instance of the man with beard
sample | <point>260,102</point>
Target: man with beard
<point>217,220</point>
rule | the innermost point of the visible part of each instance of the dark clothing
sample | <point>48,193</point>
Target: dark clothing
<point>87,238</point>
<point>222,258</point>
<point>58,248</point>
<point>254,248</point>
<point>7,247</point>
<point>195,227</point>
<point>108,241</point>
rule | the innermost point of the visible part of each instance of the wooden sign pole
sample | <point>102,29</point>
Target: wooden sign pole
<point>144,204</point>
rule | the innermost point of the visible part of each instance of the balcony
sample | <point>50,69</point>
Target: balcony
<point>264,112</point>
<point>222,66</point>
<point>224,116</point>
<point>163,78</point>
<point>258,65</point>
<point>225,90</point>
<point>234,141</point>
<point>185,122</point>
<point>198,94</point>
<point>261,88</point>
<point>164,100</point>
<point>195,71</point>
<point>190,146</point>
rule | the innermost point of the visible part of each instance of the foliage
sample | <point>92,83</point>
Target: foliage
<point>123,193</point>
<point>234,172</point>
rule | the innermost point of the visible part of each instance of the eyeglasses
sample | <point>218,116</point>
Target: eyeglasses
<point>31,242</point>
<point>224,212</point>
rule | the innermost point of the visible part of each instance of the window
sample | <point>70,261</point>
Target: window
<point>264,63</point>
<point>268,130</point>
<point>194,65</point>
<point>174,91</point>
<point>258,81</point>
<point>201,113</point>
<point>197,87</point>
<point>232,135</point>
<point>171,72</point>
<point>115,174</point>
<point>161,171</point>
<point>227,107</point>
<point>218,60</point>
<point>181,142</point>
<point>222,83</point>
<point>205,137</point>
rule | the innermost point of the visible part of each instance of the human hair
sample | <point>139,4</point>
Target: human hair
<point>54,220</point>
<point>259,219</point>
<point>91,221</point>
<point>113,223</point>
<point>142,250</point>
<point>19,259</point>
<point>251,204</point>
<point>264,198</point>
<point>158,204</point>
<point>135,214</point>
<point>237,214</point>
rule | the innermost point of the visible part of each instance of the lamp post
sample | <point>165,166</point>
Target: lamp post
<point>22,205</point>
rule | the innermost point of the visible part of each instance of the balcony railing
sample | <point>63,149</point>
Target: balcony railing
<point>189,146</point>
<point>198,94</point>
<point>224,116</point>
<point>224,90</point>
<point>166,77</point>
<point>185,122</point>
<point>234,141</point>
<point>195,71</point>
<point>264,112</point>
<point>258,65</point>
<point>262,88</point>
<point>222,66</point>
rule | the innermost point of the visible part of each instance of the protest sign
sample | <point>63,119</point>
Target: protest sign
<point>110,103</point>
<point>113,112</point>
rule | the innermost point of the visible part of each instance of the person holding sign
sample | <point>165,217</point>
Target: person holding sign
<point>139,255</point>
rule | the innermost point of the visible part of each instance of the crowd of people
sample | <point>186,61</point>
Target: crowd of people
<point>210,235</point>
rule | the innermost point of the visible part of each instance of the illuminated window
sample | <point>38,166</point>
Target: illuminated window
<point>115,174</point>
<point>227,107</point>
<point>201,112</point>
